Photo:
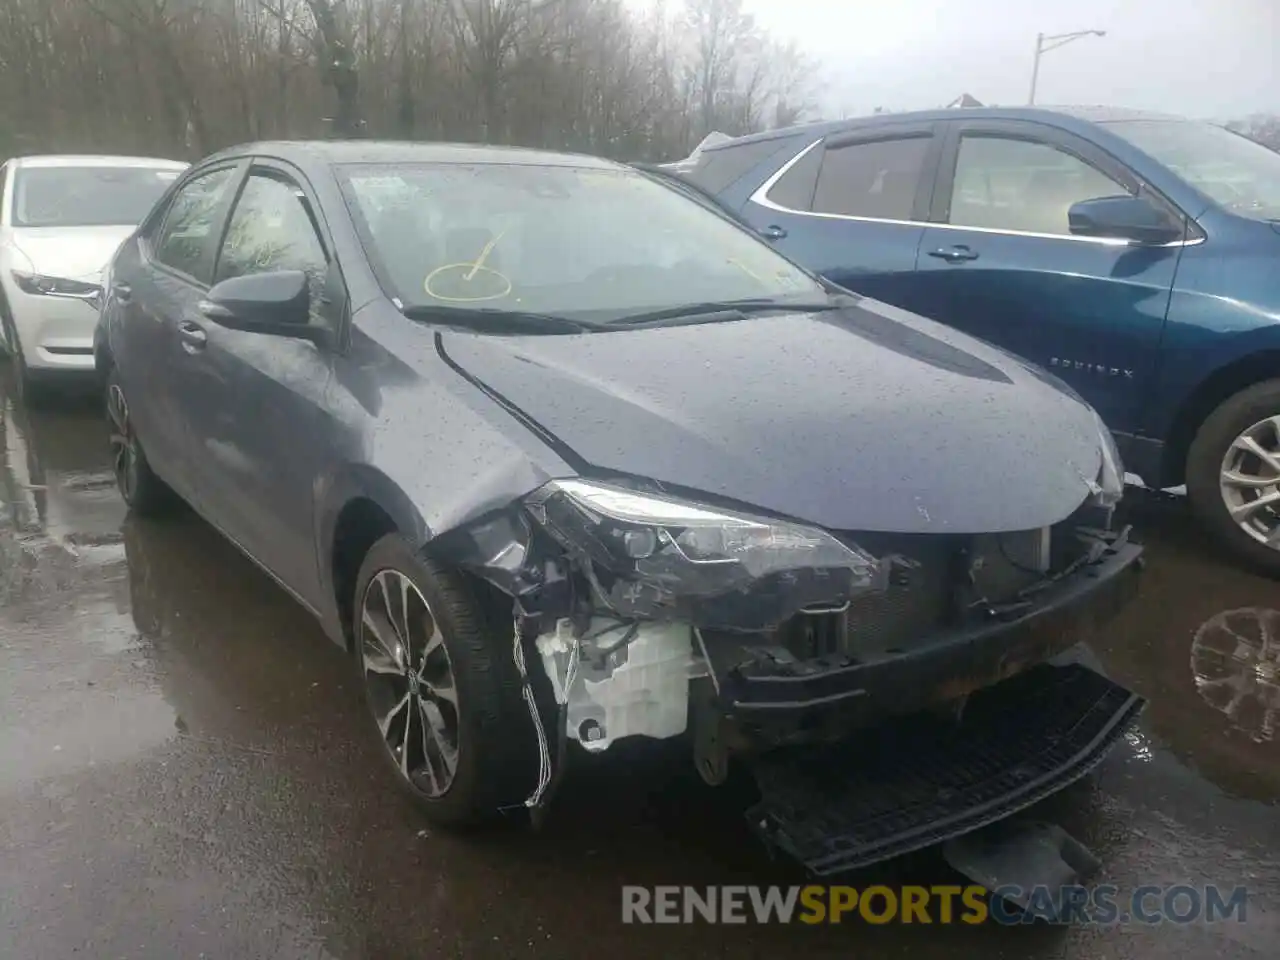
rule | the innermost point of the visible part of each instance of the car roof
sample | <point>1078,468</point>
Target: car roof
<point>1075,116</point>
<point>304,153</point>
<point>97,160</point>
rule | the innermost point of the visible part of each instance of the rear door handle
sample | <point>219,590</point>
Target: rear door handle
<point>773,232</point>
<point>193,336</point>
<point>957,254</point>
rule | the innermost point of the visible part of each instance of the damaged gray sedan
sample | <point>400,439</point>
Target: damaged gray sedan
<point>564,456</point>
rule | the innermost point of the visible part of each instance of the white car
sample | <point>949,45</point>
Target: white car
<point>61,219</point>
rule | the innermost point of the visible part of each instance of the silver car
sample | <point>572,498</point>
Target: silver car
<point>61,219</point>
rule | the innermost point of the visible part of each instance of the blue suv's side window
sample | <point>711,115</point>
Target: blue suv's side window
<point>1022,186</point>
<point>794,190</point>
<point>875,179</point>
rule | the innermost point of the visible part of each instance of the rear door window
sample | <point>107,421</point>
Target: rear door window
<point>187,235</point>
<point>876,179</point>
<point>794,189</point>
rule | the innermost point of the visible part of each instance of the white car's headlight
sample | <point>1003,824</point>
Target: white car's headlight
<point>39,285</point>
<point>653,555</point>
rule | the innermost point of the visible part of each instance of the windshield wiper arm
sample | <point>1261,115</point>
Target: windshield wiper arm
<point>498,321</point>
<point>729,309</point>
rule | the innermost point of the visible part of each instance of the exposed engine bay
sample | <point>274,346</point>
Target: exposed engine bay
<point>646,615</point>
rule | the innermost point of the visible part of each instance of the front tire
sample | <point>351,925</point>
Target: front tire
<point>144,492</point>
<point>32,391</point>
<point>441,687</point>
<point>1233,475</point>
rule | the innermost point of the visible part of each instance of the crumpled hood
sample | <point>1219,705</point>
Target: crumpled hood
<point>73,253</point>
<point>867,419</point>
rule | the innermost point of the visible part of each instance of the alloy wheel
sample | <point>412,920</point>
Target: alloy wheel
<point>124,451</point>
<point>410,682</point>
<point>1250,481</point>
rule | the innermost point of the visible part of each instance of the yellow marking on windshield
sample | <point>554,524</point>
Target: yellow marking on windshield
<point>484,254</point>
<point>503,288</point>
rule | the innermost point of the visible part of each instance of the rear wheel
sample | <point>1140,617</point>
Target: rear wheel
<point>144,492</point>
<point>1233,475</point>
<point>441,687</point>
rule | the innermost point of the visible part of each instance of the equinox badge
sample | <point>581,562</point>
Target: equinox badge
<point>1101,369</point>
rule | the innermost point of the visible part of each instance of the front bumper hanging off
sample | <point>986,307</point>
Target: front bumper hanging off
<point>771,693</point>
<point>912,783</point>
<point>1020,722</point>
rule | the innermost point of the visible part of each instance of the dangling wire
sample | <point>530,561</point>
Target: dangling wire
<point>544,754</point>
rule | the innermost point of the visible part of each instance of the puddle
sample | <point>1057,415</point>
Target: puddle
<point>1235,659</point>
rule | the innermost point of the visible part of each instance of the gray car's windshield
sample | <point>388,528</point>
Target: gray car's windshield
<point>88,196</point>
<point>566,241</point>
<point>1238,173</point>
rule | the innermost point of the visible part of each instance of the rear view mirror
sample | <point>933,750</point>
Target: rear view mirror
<point>276,303</point>
<point>1123,218</point>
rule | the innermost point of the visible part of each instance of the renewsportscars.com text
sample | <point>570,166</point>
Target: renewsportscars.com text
<point>1102,904</point>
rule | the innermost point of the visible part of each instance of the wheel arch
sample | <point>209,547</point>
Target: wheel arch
<point>1223,382</point>
<point>360,506</point>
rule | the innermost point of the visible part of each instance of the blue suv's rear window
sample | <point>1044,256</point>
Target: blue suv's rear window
<point>720,167</point>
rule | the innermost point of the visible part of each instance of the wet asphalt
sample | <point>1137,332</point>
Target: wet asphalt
<point>184,772</point>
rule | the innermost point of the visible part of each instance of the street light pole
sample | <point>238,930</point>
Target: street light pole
<point>1035,68</point>
<point>1052,42</point>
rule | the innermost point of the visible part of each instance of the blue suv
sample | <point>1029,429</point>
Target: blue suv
<point>1136,256</point>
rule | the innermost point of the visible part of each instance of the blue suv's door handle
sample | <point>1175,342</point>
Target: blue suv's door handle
<point>772,232</point>
<point>957,254</point>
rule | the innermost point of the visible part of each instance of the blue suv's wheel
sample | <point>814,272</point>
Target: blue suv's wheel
<point>1233,475</point>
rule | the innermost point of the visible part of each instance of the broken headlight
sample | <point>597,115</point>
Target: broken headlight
<point>651,553</point>
<point>1108,488</point>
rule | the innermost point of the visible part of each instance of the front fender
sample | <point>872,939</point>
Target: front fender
<point>426,446</point>
<point>1223,313</point>
<point>1198,364</point>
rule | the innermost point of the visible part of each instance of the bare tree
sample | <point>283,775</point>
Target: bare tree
<point>724,36</point>
<point>335,52</point>
<point>184,77</point>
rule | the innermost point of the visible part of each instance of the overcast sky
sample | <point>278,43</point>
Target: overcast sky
<point>1206,58</point>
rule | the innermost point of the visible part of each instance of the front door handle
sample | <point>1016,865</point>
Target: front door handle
<point>192,336</point>
<point>123,292</point>
<point>773,232</point>
<point>957,254</point>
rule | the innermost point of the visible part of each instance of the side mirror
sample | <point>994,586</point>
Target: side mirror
<point>1123,218</point>
<point>277,303</point>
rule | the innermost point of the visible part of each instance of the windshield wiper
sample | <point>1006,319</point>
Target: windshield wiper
<point>493,320</point>
<point>729,310</point>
